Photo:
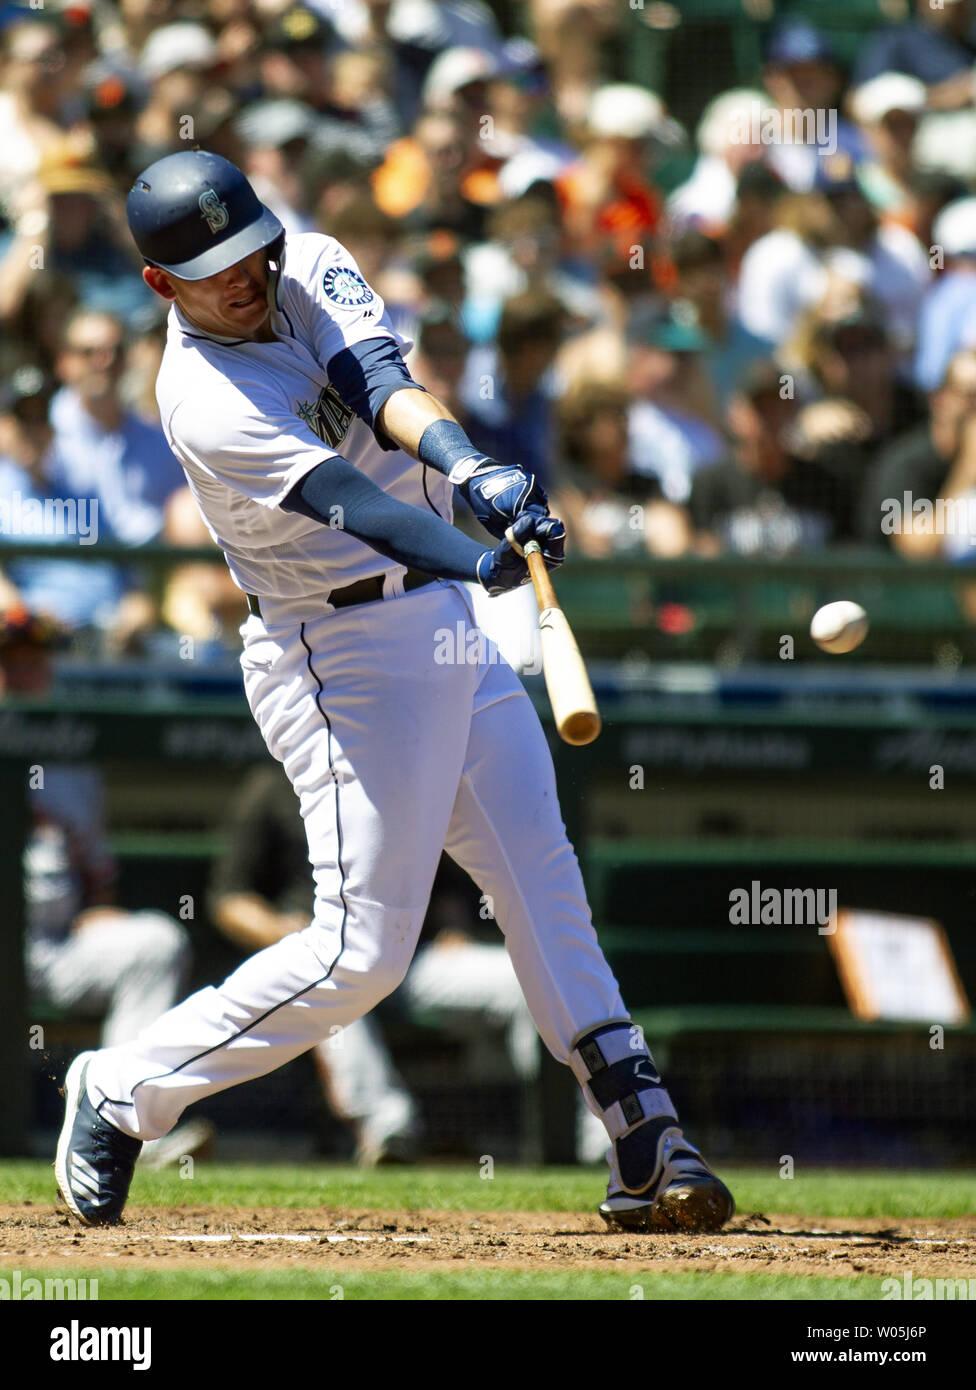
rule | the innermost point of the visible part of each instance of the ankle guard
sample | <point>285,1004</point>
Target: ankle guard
<point>617,1072</point>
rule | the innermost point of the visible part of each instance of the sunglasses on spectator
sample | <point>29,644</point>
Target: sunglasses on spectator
<point>96,349</point>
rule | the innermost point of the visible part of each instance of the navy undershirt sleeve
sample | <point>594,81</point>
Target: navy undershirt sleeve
<point>366,376</point>
<point>418,539</point>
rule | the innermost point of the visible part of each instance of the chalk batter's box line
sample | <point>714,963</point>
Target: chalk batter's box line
<point>286,1236</point>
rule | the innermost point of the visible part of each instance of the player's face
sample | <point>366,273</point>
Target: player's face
<point>232,303</point>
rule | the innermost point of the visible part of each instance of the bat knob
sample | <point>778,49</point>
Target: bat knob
<point>531,547</point>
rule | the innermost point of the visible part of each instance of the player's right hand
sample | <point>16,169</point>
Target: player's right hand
<point>505,567</point>
<point>497,493</point>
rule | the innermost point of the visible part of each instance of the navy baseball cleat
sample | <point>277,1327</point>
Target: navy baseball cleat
<point>685,1194</point>
<point>95,1161</point>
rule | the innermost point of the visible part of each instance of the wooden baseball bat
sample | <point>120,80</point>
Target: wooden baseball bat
<point>570,693</point>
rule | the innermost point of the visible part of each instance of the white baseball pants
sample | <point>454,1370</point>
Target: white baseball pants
<point>401,737</point>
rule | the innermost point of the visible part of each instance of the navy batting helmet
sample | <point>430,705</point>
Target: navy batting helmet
<point>195,214</point>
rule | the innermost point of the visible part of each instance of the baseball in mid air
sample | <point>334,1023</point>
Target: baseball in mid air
<point>839,627</point>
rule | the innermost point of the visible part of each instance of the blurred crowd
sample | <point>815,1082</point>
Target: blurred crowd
<point>739,338</point>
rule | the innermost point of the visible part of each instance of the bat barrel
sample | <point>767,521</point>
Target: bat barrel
<point>570,693</point>
<point>581,727</point>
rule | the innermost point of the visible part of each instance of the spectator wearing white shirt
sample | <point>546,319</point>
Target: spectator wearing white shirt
<point>725,139</point>
<point>831,234</point>
<point>33,68</point>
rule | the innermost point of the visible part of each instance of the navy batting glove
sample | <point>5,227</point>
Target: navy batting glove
<point>497,493</point>
<point>505,567</point>
<point>551,535</point>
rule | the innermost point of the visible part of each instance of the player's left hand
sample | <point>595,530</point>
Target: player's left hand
<point>505,567</point>
<point>549,531</point>
<point>497,493</point>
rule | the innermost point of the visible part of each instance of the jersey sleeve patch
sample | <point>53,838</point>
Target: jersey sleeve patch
<point>334,304</point>
<point>346,286</point>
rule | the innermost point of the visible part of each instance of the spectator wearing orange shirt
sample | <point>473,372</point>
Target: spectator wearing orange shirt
<point>606,196</point>
<point>421,179</point>
<point>443,174</point>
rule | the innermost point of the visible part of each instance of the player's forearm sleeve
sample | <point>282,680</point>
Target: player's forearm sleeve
<point>338,495</point>
<point>366,376</point>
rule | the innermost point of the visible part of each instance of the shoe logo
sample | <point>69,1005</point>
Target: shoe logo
<point>84,1178</point>
<point>648,1074</point>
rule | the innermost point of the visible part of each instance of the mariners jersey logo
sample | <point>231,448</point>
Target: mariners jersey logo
<point>215,211</point>
<point>328,417</point>
<point>346,287</point>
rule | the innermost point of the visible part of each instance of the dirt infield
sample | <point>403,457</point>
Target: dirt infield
<point>42,1235</point>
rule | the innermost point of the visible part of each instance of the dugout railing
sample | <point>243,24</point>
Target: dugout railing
<point>727,610</point>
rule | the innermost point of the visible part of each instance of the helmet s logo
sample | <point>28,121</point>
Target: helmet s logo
<point>215,212</point>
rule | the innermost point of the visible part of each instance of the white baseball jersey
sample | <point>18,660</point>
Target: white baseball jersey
<point>398,747</point>
<point>248,420</point>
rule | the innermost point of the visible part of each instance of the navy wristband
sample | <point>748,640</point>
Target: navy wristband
<point>445,446</point>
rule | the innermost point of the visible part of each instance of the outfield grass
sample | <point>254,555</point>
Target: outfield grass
<point>829,1192</point>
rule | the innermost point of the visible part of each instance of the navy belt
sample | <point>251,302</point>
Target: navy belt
<point>363,591</point>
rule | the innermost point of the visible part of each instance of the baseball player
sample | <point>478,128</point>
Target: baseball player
<point>326,475</point>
